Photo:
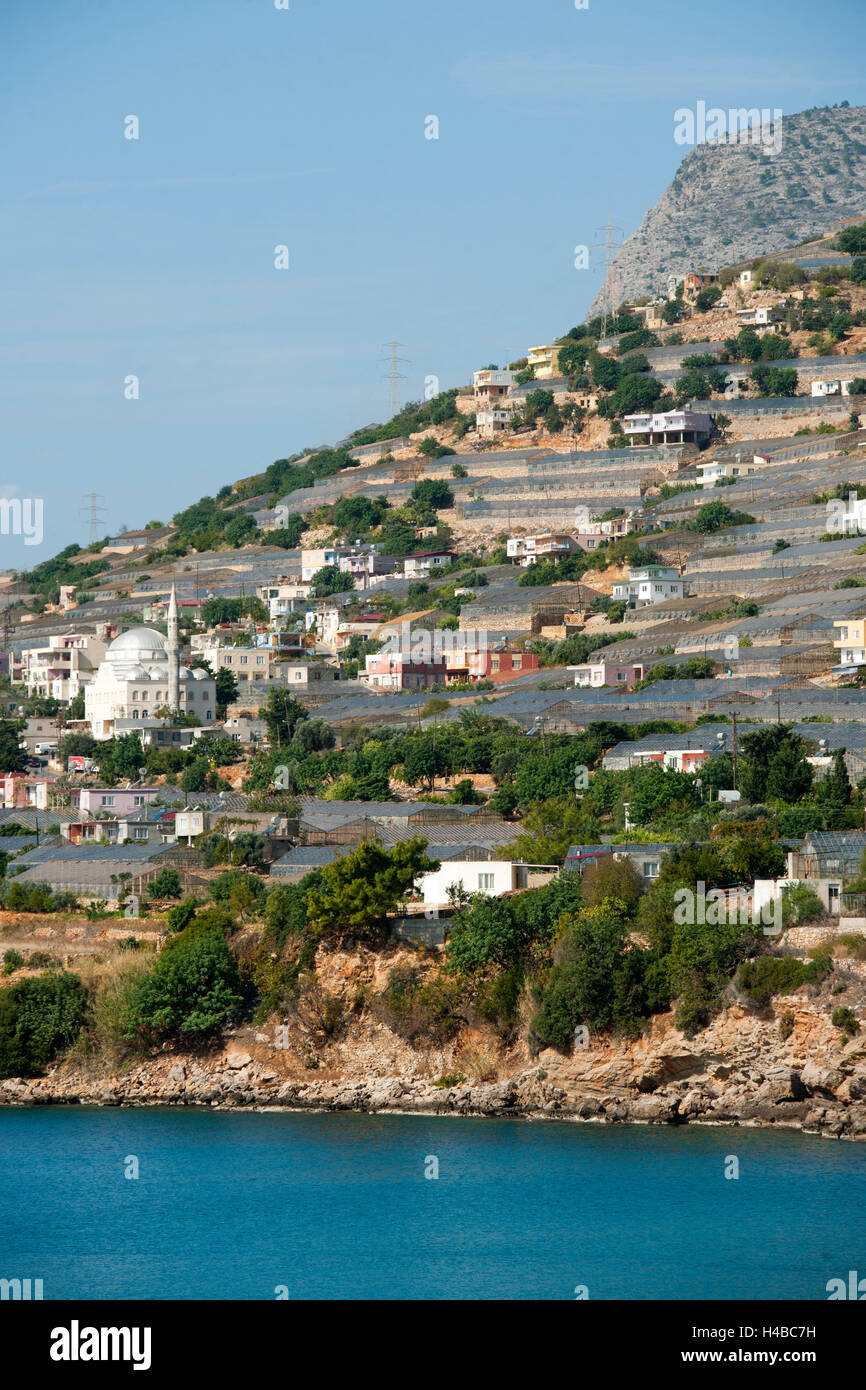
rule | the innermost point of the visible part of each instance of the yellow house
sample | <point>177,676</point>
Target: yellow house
<point>545,361</point>
<point>851,641</point>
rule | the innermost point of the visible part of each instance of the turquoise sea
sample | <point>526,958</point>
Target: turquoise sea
<point>322,1206</point>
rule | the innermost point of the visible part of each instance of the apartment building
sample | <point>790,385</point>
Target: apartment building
<point>61,667</point>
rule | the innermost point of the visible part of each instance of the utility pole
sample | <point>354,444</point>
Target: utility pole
<point>394,376</point>
<point>90,506</point>
<point>609,247</point>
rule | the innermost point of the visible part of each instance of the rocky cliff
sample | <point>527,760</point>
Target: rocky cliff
<point>785,1064</point>
<point>733,202</point>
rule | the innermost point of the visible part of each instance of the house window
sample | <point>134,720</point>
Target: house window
<point>650,868</point>
<point>260,661</point>
<point>139,832</point>
<point>485,883</point>
<point>138,800</point>
<point>108,800</point>
<point>243,661</point>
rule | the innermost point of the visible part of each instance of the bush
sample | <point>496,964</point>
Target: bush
<point>846,1020</point>
<point>180,916</point>
<point>596,982</point>
<point>800,904</point>
<point>38,1019</point>
<point>414,1009</point>
<point>765,976</point>
<point>193,991</point>
<point>166,885</point>
<point>236,885</point>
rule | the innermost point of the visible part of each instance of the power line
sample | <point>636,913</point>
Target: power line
<point>92,511</point>
<point>610,247</point>
<point>394,376</point>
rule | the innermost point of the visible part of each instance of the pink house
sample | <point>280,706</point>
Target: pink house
<point>594,675</point>
<point>393,671</point>
<point>20,791</point>
<point>117,800</point>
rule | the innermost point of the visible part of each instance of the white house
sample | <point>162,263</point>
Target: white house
<point>763,315</point>
<point>669,427</point>
<point>709,473</point>
<point>422,563</point>
<point>492,876</point>
<point>492,421</point>
<point>651,584</point>
<point>314,560</point>
<point>835,387</point>
<point>851,640</point>
<point>549,546</point>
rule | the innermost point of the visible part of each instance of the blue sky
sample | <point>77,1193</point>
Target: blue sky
<point>305,127</point>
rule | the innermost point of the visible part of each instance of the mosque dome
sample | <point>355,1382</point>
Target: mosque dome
<point>138,654</point>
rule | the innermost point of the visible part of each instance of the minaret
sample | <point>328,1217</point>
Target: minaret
<point>173,650</point>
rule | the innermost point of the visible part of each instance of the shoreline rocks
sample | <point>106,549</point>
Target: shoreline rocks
<point>784,1098</point>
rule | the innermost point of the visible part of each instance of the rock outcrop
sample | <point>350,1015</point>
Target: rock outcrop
<point>733,202</point>
<point>739,1070</point>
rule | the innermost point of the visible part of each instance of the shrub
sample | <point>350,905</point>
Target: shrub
<point>800,904</point>
<point>845,1019</point>
<point>166,885</point>
<point>38,1019</point>
<point>192,992</point>
<point>414,1009</point>
<point>236,885</point>
<point>765,976</point>
<point>180,916</point>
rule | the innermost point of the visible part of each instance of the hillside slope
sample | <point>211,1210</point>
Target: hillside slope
<point>729,203</point>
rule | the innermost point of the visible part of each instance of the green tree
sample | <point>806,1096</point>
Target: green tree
<point>836,787</point>
<point>12,756</point>
<point>425,760</point>
<point>593,984</point>
<point>487,934</point>
<point>654,791</point>
<point>192,992</point>
<point>226,690</point>
<point>361,888</point>
<point>773,765</point>
<point>330,579</point>
<point>39,1017</point>
<point>282,714</point>
<point>548,830</point>
<point>166,884</point>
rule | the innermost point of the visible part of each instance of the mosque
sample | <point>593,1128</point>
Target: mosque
<point>140,674</point>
